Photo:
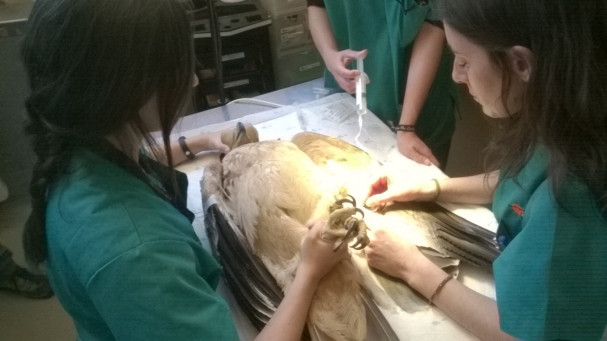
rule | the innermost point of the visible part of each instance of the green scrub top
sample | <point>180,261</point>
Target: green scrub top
<point>387,28</point>
<point>551,278</point>
<point>125,263</point>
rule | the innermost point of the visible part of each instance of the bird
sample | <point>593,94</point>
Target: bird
<point>271,191</point>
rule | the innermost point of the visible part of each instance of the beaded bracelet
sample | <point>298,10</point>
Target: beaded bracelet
<point>404,127</point>
<point>184,148</point>
<point>439,288</point>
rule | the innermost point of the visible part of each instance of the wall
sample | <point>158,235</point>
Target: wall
<point>16,157</point>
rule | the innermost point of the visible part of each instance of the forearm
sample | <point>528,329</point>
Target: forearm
<point>423,65</point>
<point>321,31</point>
<point>290,318</point>
<point>473,311</point>
<point>395,255</point>
<point>195,144</point>
<point>475,189</point>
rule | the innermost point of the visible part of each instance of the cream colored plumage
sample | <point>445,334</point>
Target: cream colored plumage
<point>272,190</point>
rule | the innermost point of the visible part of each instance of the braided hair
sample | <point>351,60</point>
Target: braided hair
<point>91,66</point>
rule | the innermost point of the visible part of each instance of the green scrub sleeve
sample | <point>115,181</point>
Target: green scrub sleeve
<point>550,279</point>
<point>156,292</point>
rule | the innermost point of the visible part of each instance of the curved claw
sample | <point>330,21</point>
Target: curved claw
<point>361,213</point>
<point>339,203</point>
<point>361,243</point>
<point>362,240</point>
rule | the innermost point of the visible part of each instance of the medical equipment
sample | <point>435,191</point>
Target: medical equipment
<point>361,88</point>
<point>361,95</point>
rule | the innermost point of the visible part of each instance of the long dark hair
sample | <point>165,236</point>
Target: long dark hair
<point>92,65</point>
<point>565,106</point>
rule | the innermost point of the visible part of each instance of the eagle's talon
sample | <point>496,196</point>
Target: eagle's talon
<point>362,240</point>
<point>338,204</point>
<point>346,218</point>
<point>361,243</point>
<point>361,213</point>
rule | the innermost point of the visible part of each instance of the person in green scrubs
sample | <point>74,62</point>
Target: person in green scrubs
<point>405,60</point>
<point>538,68</point>
<point>108,222</point>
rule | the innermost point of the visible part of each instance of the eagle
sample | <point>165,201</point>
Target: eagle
<point>268,192</point>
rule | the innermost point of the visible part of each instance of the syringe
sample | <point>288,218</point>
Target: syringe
<point>361,88</point>
<point>361,97</point>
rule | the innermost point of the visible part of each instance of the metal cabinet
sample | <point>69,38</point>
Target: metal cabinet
<point>233,50</point>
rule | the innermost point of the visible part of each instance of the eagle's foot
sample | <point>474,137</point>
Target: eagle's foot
<point>346,224</point>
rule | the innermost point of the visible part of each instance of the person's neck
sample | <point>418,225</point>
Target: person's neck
<point>127,141</point>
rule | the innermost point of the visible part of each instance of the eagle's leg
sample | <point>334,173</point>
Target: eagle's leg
<point>345,225</point>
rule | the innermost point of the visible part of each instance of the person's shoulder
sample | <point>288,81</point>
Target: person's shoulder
<point>92,236</point>
<point>100,205</point>
<point>577,199</point>
<point>95,187</point>
<point>572,196</point>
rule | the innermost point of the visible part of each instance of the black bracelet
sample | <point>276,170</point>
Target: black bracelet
<point>184,148</point>
<point>404,127</point>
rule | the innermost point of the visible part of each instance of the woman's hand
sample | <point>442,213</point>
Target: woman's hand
<point>411,146</point>
<point>317,255</point>
<point>385,190</point>
<point>337,63</point>
<point>317,259</point>
<point>392,254</point>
